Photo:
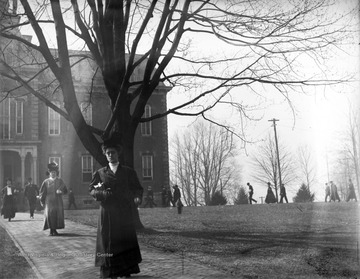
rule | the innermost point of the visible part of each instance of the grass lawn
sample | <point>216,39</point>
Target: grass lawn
<point>309,240</point>
<point>11,259</point>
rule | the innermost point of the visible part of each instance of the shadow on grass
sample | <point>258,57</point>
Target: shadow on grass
<point>266,239</point>
<point>148,231</point>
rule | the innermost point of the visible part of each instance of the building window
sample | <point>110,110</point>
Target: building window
<point>87,168</point>
<point>54,121</point>
<point>5,119</point>
<point>86,109</point>
<point>56,160</point>
<point>146,126</point>
<point>19,119</point>
<point>147,167</point>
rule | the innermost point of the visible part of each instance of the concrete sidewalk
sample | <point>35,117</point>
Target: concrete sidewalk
<point>71,254</point>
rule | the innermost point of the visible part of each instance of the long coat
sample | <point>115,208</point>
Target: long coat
<point>334,193</point>
<point>53,203</point>
<point>117,248</point>
<point>282,191</point>
<point>176,195</point>
<point>8,208</point>
<point>351,194</point>
<point>31,191</point>
<point>270,197</point>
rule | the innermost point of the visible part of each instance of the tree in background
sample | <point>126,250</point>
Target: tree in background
<point>265,43</point>
<point>218,199</point>
<point>342,171</point>
<point>204,162</point>
<point>266,165</point>
<point>304,194</point>
<point>241,197</point>
<point>346,165</point>
<point>307,166</point>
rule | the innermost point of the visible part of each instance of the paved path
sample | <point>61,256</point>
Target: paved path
<point>71,254</point>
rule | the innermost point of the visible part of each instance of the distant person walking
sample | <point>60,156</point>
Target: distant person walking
<point>169,197</point>
<point>177,199</point>
<point>51,192</point>
<point>333,192</point>
<point>251,193</point>
<point>71,199</point>
<point>166,196</point>
<point>270,197</point>
<point>8,208</point>
<point>149,198</point>
<point>176,194</point>
<point>351,192</point>
<point>31,192</point>
<point>283,194</point>
<point>327,192</point>
<point>163,196</point>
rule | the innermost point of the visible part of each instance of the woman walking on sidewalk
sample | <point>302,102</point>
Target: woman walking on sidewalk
<point>51,192</point>
<point>118,190</point>
<point>8,209</point>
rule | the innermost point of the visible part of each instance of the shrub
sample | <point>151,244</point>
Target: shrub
<point>218,199</point>
<point>242,197</point>
<point>304,194</point>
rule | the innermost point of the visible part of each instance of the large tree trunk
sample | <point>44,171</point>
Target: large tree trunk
<point>127,159</point>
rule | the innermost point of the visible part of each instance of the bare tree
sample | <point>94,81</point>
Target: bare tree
<point>307,166</point>
<point>204,162</point>
<point>266,166</point>
<point>342,172</point>
<point>186,168</point>
<point>352,145</point>
<point>268,39</point>
<point>347,163</point>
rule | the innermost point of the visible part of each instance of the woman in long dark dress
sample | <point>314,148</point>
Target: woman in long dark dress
<point>118,190</point>
<point>8,209</point>
<point>51,192</point>
<point>351,192</point>
<point>270,197</point>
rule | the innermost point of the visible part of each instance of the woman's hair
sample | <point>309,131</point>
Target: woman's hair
<point>8,179</point>
<point>117,147</point>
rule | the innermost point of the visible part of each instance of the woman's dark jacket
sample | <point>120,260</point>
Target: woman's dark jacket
<point>116,245</point>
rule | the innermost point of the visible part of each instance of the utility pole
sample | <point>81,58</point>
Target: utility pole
<point>277,155</point>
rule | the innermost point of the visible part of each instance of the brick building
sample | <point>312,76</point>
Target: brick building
<point>32,134</point>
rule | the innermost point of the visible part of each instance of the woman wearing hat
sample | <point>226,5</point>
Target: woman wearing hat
<point>51,192</point>
<point>118,190</point>
<point>8,209</point>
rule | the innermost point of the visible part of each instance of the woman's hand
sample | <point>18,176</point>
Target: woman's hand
<point>59,192</point>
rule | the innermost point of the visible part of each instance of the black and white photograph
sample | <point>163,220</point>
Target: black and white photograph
<point>179,139</point>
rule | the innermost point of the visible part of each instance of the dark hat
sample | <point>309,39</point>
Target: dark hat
<point>53,167</point>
